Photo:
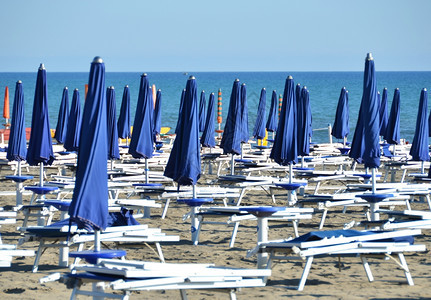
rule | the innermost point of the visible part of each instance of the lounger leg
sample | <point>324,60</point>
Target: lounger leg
<point>295,227</point>
<point>98,287</point>
<point>234,232</point>
<point>183,294</point>
<point>429,201</point>
<point>160,252</point>
<point>232,294</point>
<point>38,255</point>
<point>165,209</point>
<point>305,273</point>
<point>367,268</point>
<point>406,269</point>
<point>63,259</point>
<point>322,221</point>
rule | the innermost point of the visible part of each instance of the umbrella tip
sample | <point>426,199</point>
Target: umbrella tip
<point>111,87</point>
<point>237,80</point>
<point>370,56</point>
<point>159,90</point>
<point>192,77</point>
<point>19,81</point>
<point>203,91</point>
<point>305,87</point>
<point>42,67</point>
<point>66,88</point>
<point>127,86</point>
<point>212,94</point>
<point>243,84</point>
<point>97,60</point>
<point>144,75</point>
<point>76,89</point>
<point>264,89</point>
<point>397,89</point>
<point>289,77</point>
<point>425,89</point>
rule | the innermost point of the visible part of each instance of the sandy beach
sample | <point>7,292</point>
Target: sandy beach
<point>328,279</point>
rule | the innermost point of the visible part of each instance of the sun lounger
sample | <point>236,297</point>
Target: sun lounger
<point>59,235</point>
<point>128,276</point>
<point>344,243</point>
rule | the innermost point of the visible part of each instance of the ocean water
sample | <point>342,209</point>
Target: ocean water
<point>324,88</point>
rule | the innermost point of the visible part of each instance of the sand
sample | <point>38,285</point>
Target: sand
<point>327,280</point>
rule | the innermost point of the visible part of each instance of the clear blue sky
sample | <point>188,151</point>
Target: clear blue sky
<point>215,35</point>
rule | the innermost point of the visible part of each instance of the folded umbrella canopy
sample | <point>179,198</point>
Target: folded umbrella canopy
<point>158,113</point>
<point>73,124</point>
<point>123,124</point>
<point>113,148</point>
<point>271,124</point>
<point>384,112</point>
<point>392,134</point>
<point>183,92</point>
<point>259,127</point>
<point>63,117</point>
<point>341,130</point>
<point>17,145</point>
<point>284,150</point>
<point>202,114</point>
<point>142,141</point>
<point>231,139</point>
<point>244,115</point>
<point>303,123</point>
<point>40,145</point>
<point>184,164</point>
<point>419,150</point>
<point>208,136</point>
<point>89,206</point>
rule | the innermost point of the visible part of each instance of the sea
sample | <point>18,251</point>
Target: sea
<point>324,90</point>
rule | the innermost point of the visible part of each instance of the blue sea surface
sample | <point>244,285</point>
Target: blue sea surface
<point>324,88</point>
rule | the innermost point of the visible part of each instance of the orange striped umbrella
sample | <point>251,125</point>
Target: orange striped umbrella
<point>6,112</point>
<point>219,111</point>
<point>280,102</point>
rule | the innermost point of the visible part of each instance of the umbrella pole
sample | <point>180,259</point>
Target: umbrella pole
<point>146,170</point>
<point>19,187</point>
<point>97,241</point>
<point>345,141</point>
<point>289,193</point>
<point>374,206</point>
<point>422,167</point>
<point>242,155</point>
<point>232,161</point>
<point>41,174</point>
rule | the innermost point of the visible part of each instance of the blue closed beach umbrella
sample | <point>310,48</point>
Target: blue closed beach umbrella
<point>231,138</point>
<point>244,114</point>
<point>419,150</point>
<point>371,156</point>
<point>123,123</point>
<point>392,134</point>
<point>284,150</point>
<point>384,112</point>
<point>40,144</point>
<point>158,113</point>
<point>341,129</point>
<point>271,124</point>
<point>142,141</point>
<point>183,92</point>
<point>303,123</point>
<point>73,124</point>
<point>208,136</point>
<point>259,126</point>
<point>113,148</point>
<point>202,115</point>
<point>17,145</point>
<point>89,206</point>
<point>184,164</point>
<point>63,117</point>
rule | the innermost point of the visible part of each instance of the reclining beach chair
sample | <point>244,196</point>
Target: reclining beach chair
<point>343,243</point>
<point>122,228</point>
<point>128,276</point>
<point>7,252</point>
